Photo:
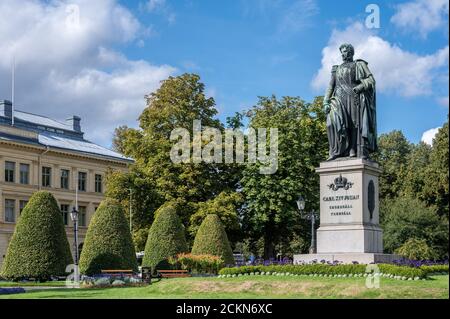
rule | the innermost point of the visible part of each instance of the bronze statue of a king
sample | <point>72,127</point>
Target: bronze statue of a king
<point>350,104</point>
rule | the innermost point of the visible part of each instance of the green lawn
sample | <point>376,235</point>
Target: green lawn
<point>259,287</point>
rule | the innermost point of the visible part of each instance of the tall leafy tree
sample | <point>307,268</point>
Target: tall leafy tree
<point>403,218</point>
<point>392,155</point>
<point>436,185</point>
<point>270,209</point>
<point>176,104</point>
<point>414,175</point>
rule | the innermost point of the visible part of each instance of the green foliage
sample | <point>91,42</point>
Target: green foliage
<point>417,249</point>
<point>39,248</point>
<point>404,218</point>
<point>166,239</point>
<point>435,269</point>
<point>140,238</point>
<point>176,104</point>
<point>108,243</point>
<point>203,264</point>
<point>392,155</point>
<point>271,211</point>
<point>212,239</point>
<point>144,198</point>
<point>226,206</point>
<point>436,184</point>
<point>325,269</point>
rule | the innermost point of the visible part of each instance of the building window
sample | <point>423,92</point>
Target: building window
<point>22,205</point>
<point>65,178</point>
<point>10,169</point>
<point>10,207</point>
<point>46,176</point>
<point>24,174</point>
<point>98,183</point>
<point>82,216</point>
<point>65,214</point>
<point>82,181</point>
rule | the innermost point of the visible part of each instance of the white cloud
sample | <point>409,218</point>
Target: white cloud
<point>422,16</point>
<point>395,70</point>
<point>71,68</point>
<point>428,136</point>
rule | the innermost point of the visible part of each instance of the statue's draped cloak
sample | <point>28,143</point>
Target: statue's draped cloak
<point>343,115</point>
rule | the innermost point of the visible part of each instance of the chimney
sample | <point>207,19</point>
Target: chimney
<point>74,121</point>
<point>6,109</point>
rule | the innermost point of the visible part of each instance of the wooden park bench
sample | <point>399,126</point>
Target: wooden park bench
<point>118,272</point>
<point>173,273</point>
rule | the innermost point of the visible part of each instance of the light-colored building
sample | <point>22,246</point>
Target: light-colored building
<point>38,153</point>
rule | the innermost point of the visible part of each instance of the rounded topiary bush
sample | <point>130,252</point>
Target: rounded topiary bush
<point>39,248</point>
<point>166,239</point>
<point>108,243</point>
<point>212,239</point>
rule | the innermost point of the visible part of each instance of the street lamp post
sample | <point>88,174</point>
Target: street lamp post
<point>312,216</point>
<point>74,217</point>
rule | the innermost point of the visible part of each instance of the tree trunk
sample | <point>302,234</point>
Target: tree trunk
<point>269,240</point>
<point>269,248</point>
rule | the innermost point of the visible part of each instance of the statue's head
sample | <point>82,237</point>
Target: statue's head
<point>347,52</point>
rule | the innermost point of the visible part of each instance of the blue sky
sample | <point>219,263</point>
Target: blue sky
<point>241,49</point>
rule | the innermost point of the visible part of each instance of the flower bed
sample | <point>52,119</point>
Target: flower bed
<point>8,291</point>
<point>326,270</point>
<point>109,281</point>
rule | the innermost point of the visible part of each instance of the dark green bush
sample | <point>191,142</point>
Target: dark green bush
<point>39,248</point>
<point>166,239</point>
<point>434,269</point>
<point>325,269</point>
<point>108,243</point>
<point>211,239</point>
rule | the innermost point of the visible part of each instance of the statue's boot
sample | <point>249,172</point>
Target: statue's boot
<point>352,153</point>
<point>333,157</point>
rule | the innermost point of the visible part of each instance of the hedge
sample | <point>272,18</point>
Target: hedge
<point>212,239</point>
<point>202,264</point>
<point>39,248</point>
<point>435,269</point>
<point>108,243</point>
<point>325,269</point>
<point>166,239</point>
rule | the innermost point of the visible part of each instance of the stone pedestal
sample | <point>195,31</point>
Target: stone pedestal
<point>349,213</point>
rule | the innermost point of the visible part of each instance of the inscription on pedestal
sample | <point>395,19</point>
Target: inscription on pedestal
<point>344,206</point>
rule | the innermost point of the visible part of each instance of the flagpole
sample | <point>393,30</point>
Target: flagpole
<point>12,88</point>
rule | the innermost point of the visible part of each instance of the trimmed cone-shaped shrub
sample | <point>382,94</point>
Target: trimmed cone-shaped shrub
<point>108,243</point>
<point>212,239</point>
<point>39,248</point>
<point>166,239</point>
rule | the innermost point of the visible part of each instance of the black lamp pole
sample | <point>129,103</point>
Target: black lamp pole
<point>74,217</point>
<point>312,216</point>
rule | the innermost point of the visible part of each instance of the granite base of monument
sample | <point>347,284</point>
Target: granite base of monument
<point>349,213</point>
